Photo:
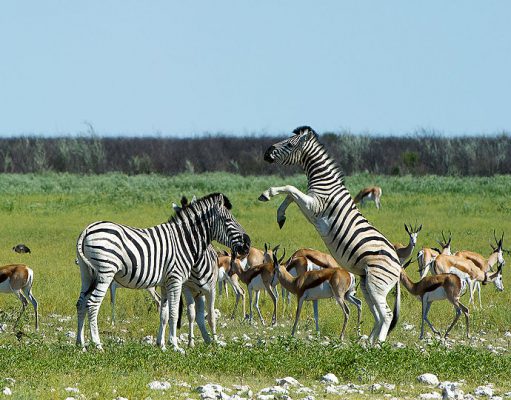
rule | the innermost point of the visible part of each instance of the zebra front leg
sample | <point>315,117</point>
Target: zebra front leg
<point>281,211</point>
<point>305,203</point>
<point>190,307</point>
<point>93,305</point>
<point>174,294</point>
<point>209,297</point>
<point>164,319</point>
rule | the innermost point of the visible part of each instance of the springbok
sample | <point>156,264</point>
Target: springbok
<point>405,252</point>
<point>437,287</point>
<point>319,284</point>
<point>257,278</point>
<point>224,268</point>
<point>371,193</point>
<point>483,263</point>
<point>18,279</point>
<point>427,255</point>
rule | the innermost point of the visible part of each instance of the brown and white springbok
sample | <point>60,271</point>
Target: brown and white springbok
<point>483,263</point>
<point>304,260</point>
<point>438,287</point>
<point>18,279</point>
<point>426,255</point>
<point>257,278</point>
<point>370,193</point>
<point>405,252</point>
<point>313,285</point>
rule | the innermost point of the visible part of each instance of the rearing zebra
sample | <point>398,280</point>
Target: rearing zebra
<point>352,240</point>
<point>162,255</point>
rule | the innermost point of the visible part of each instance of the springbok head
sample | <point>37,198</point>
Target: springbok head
<point>499,249</point>
<point>445,244</point>
<point>413,232</point>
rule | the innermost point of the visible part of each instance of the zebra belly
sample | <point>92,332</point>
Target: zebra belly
<point>322,291</point>
<point>124,280</point>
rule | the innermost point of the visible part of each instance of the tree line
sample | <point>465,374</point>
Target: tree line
<point>421,154</point>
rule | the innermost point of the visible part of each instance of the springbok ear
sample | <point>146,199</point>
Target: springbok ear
<point>194,199</point>
<point>175,207</point>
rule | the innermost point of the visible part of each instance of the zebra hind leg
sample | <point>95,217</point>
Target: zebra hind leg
<point>93,305</point>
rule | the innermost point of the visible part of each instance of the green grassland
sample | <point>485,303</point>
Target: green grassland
<point>47,212</point>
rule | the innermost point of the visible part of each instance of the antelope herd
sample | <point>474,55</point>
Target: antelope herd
<point>312,275</point>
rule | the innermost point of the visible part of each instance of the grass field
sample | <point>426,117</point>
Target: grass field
<point>47,212</point>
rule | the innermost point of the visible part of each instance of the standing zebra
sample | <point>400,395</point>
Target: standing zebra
<point>162,255</point>
<point>352,240</point>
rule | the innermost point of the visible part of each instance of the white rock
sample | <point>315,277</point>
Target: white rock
<point>72,390</point>
<point>399,345</point>
<point>7,391</point>
<point>3,328</point>
<point>330,378</point>
<point>221,343</point>
<point>507,334</point>
<point>389,386</point>
<point>71,334</point>
<point>430,396</point>
<point>12,381</point>
<point>484,391</point>
<point>265,397</point>
<point>407,327</point>
<point>309,397</point>
<point>451,391</point>
<point>330,389</point>
<point>375,386</point>
<point>428,379</point>
<point>121,398</point>
<point>159,385</point>
<point>288,380</point>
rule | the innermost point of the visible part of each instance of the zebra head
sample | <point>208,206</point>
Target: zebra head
<point>225,228</point>
<point>290,151</point>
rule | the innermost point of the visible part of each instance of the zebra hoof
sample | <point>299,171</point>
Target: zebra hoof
<point>281,222</point>
<point>263,197</point>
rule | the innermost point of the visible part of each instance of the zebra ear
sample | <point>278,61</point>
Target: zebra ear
<point>225,202</point>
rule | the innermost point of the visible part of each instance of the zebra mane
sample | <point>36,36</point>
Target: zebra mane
<point>198,206</point>
<point>300,129</point>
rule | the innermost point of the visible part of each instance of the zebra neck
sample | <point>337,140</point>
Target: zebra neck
<point>324,175</point>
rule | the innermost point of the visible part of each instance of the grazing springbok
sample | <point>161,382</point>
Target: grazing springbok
<point>224,268</point>
<point>313,285</point>
<point>483,263</point>
<point>405,252</point>
<point>257,278</point>
<point>427,255</point>
<point>465,268</point>
<point>437,287</point>
<point>18,279</point>
<point>371,193</point>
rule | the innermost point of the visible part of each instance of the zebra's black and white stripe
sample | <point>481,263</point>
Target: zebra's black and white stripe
<point>352,240</point>
<point>162,255</point>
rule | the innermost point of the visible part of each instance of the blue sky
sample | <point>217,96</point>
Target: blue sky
<point>176,68</point>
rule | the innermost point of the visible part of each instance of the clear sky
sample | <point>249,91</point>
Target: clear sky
<point>183,68</point>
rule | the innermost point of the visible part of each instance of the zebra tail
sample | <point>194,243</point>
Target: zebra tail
<point>81,256</point>
<point>397,307</point>
<point>180,314</point>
